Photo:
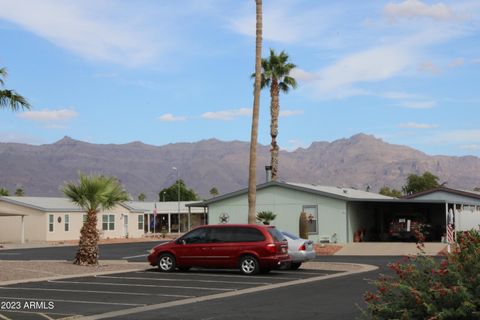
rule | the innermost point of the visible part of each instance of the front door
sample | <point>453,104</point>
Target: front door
<point>191,249</point>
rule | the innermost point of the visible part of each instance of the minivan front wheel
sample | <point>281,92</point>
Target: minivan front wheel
<point>166,262</point>
<point>249,265</point>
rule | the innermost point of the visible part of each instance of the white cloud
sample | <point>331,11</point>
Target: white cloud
<point>227,114</point>
<point>415,125</point>
<point>397,95</point>
<point>286,22</point>
<point>47,115</point>
<point>168,117</point>
<point>457,136</point>
<point>472,147</point>
<point>418,104</point>
<point>91,29</point>
<point>290,113</point>
<point>429,67</point>
<point>372,65</point>
<point>476,61</point>
<point>302,75</point>
<point>14,137</point>
<point>456,63</point>
<point>414,9</point>
<point>295,144</point>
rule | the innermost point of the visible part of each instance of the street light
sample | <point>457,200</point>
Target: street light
<point>178,190</point>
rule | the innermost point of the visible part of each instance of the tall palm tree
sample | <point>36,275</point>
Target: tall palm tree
<point>252,168</point>
<point>9,98</point>
<point>93,193</point>
<point>276,75</point>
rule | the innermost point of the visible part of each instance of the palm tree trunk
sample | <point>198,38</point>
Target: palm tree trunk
<point>274,111</point>
<point>252,168</point>
<point>87,253</point>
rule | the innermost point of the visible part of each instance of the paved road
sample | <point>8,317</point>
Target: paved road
<point>337,298</point>
<point>135,251</point>
<point>125,291</point>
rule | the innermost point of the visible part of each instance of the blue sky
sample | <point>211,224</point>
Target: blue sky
<point>179,71</point>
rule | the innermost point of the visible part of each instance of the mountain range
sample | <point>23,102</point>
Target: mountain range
<point>361,161</point>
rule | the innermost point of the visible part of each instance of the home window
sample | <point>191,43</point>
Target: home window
<point>67,222</point>
<point>50,222</point>
<point>312,218</point>
<point>108,222</point>
<point>84,218</point>
<point>140,222</point>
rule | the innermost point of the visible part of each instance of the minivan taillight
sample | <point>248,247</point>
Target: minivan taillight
<point>302,247</point>
<point>272,248</point>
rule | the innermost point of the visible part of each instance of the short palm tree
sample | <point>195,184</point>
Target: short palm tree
<point>9,98</point>
<point>266,216</point>
<point>93,193</point>
<point>276,75</point>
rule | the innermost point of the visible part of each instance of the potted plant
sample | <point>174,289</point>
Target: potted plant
<point>266,216</point>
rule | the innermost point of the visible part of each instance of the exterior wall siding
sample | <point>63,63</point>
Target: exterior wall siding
<point>287,205</point>
<point>10,226</point>
<point>36,224</point>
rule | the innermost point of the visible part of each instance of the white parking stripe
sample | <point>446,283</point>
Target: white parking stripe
<point>45,316</point>
<point>301,272</point>
<point>141,285</point>
<point>273,277</point>
<point>185,280</point>
<point>4,317</point>
<point>78,301</point>
<point>139,256</point>
<point>10,253</point>
<point>95,291</point>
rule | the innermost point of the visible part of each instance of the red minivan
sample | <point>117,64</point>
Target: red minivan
<point>251,248</point>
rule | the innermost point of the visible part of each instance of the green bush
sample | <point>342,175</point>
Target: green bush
<point>429,288</point>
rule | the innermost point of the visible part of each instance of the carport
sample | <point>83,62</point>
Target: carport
<point>22,217</point>
<point>371,218</point>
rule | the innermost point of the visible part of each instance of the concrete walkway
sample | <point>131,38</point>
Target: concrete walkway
<point>388,249</point>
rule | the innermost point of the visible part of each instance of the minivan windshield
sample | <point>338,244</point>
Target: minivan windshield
<point>276,235</point>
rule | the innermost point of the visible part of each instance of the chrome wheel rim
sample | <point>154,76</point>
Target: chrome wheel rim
<point>166,263</point>
<point>248,265</point>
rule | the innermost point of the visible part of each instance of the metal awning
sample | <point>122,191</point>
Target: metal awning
<point>12,214</point>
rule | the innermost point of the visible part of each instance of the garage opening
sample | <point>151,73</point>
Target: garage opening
<point>396,221</point>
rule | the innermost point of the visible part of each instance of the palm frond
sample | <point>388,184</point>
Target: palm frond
<point>11,99</point>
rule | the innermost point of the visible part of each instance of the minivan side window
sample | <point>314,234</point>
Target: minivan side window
<point>196,236</point>
<point>248,235</point>
<point>235,234</point>
<point>221,234</point>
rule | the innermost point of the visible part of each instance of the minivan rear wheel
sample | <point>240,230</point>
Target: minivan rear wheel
<point>295,265</point>
<point>166,262</point>
<point>249,265</point>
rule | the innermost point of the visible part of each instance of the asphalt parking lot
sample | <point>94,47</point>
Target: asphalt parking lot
<point>125,294</point>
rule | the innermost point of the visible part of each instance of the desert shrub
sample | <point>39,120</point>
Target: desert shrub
<point>423,287</point>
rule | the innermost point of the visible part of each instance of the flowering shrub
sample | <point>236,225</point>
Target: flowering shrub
<point>430,288</point>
